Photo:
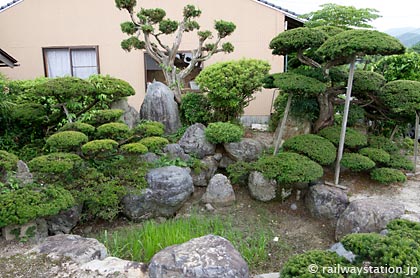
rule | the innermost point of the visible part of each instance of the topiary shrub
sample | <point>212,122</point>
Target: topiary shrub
<point>387,175</point>
<point>134,148</point>
<point>7,161</point>
<point>154,143</point>
<point>377,155</point>
<point>195,108</point>
<point>356,162</point>
<point>238,172</point>
<point>78,126</point>
<point>383,143</point>
<point>66,140</point>
<point>29,114</point>
<point>313,146</point>
<point>398,161</point>
<point>100,117</point>
<point>353,138</point>
<point>115,131</point>
<point>300,265</point>
<point>55,163</point>
<point>149,128</point>
<point>25,204</point>
<point>223,133</point>
<point>99,148</point>
<point>289,168</point>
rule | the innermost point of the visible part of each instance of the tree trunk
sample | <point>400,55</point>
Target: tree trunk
<point>282,125</point>
<point>173,83</point>
<point>326,111</point>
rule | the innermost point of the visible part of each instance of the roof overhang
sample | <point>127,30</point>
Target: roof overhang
<point>292,18</point>
<point>6,60</point>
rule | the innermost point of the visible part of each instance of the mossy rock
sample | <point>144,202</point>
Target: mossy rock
<point>357,162</point>
<point>78,126</point>
<point>115,131</point>
<point>154,143</point>
<point>66,140</point>
<point>99,147</point>
<point>101,117</point>
<point>313,146</point>
<point>383,143</point>
<point>134,148</point>
<point>222,132</point>
<point>377,155</point>
<point>8,161</point>
<point>354,139</point>
<point>387,175</point>
<point>55,163</point>
<point>149,128</point>
<point>398,161</point>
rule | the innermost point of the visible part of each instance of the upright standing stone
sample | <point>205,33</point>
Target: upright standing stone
<point>130,116</point>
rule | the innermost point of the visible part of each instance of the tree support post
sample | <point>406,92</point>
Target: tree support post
<point>416,141</point>
<point>283,124</point>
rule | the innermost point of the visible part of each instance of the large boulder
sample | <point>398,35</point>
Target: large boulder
<point>326,202</point>
<point>207,171</point>
<point>23,174</point>
<point>175,151</point>
<point>260,188</point>
<point>130,116</point>
<point>65,221</point>
<point>168,188</point>
<point>204,257</point>
<point>246,150</point>
<point>194,142</point>
<point>115,267</point>
<point>159,105</point>
<point>367,215</point>
<point>219,192</point>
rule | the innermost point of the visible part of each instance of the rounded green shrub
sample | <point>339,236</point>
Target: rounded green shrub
<point>387,175</point>
<point>29,114</point>
<point>100,117</point>
<point>377,155</point>
<point>110,87</point>
<point>313,146</point>
<point>238,172</point>
<point>195,108</point>
<point>55,163</point>
<point>78,126</point>
<point>353,138</point>
<point>154,143</point>
<point>99,147</point>
<point>289,168</point>
<point>383,143</point>
<point>356,162</point>
<point>67,140</point>
<point>149,128</point>
<point>7,160</point>
<point>221,132</point>
<point>25,204</point>
<point>134,148</point>
<point>398,161</point>
<point>115,131</point>
<point>299,265</point>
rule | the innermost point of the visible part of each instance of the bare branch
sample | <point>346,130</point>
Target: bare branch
<point>306,60</point>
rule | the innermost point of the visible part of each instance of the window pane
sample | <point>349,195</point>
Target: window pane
<point>84,72</point>
<point>84,62</point>
<point>58,62</point>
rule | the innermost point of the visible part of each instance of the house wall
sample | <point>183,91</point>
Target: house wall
<point>34,24</point>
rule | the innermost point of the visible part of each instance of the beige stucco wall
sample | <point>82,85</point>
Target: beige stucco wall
<point>33,24</point>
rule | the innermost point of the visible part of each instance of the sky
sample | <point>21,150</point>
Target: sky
<point>395,14</point>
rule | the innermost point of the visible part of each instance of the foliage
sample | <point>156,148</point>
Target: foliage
<point>220,132</point>
<point>78,126</point>
<point>115,131</point>
<point>149,128</point>
<point>357,162</point>
<point>293,83</point>
<point>377,155</point>
<point>134,148</point>
<point>27,114</point>
<point>353,138</point>
<point>55,163</point>
<point>387,175</point>
<point>366,83</point>
<point>288,168</point>
<point>399,67</point>
<point>111,88</point>
<point>230,85</point>
<point>195,108</point>
<point>238,172</point>
<point>297,266</point>
<point>7,161</point>
<point>195,164</point>
<point>401,96</point>
<point>175,137</point>
<point>98,148</point>
<point>66,140</point>
<point>398,161</point>
<point>345,17</point>
<point>356,115</point>
<point>383,143</point>
<point>100,117</point>
<point>313,146</point>
<point>154,143</point>
<point>33,201</point>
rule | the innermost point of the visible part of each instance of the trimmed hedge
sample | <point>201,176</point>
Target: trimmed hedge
<point>8,160</point>
<point>221,132</point>
<point>154,143</point>
<point>149,128</point>
<point>377,155</point>
<point>101,117</point>
<point>115,131</point>
<point>387,175</point>
<point>55,163</point>
<point>357,162</point>
<point>315,147</point>
<point>66,140</point>
<point>99,147</point>
<point>383,143</point>
<point>134,148</point>
<point>398,161</point>
<point>78,126</point>
<point>353,138</point>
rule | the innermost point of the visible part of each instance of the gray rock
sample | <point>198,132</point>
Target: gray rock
<point>159,105</point>
<point>219,192</point>
<point>261,188</point>
<point>23,174</point>
<point>209,207</point>
<point>175,151</point>
<point>415,217</point>
<point>225,162</point>
<point>326,202</point>
<point>65,221</point>
<point>32,231</point>
<point>204,257</point>
<point>367,215</point>
<point>245,150</point>
<point>207,172</point>
<point>342,252</point>
<point>194,142</point>
<point>115,267</point>
<point>130,116</point>
<point>218,156</point>
<point>77,248</point>
<point>293,206</point>
<point>149,157</point>
<point>168,188</point>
